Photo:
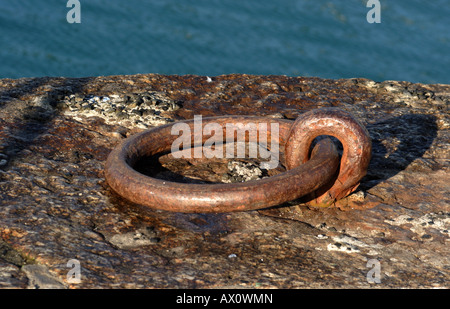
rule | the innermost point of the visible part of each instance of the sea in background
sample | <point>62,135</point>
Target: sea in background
<point>328,39</point>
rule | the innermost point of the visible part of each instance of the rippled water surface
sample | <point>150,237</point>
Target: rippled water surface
<point>330,39</point>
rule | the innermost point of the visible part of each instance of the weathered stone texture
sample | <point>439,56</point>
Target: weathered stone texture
<point>55,134</point>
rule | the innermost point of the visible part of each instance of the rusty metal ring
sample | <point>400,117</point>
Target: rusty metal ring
<point>204,198</point>
<point>356,154</point>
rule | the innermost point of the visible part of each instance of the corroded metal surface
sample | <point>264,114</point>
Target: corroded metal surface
<point>356,154</point>
<point>204,198</point>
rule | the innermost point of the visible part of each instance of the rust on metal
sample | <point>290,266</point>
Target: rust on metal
<point>308,171</point>
<point>181,197</point>
<point>356,154</point>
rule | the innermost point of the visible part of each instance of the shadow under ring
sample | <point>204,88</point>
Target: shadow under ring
<point>222,197</point>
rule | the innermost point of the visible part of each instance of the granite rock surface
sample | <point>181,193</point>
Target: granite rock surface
<point>61,226</point>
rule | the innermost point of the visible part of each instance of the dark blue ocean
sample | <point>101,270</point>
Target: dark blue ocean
<point>323,38</point>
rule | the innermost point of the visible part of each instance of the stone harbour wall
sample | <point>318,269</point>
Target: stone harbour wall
<point>59,218</point>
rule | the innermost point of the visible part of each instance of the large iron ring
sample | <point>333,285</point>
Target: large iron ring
<point>302,177</point>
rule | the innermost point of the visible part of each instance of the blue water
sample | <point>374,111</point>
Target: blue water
<point>329,39</point>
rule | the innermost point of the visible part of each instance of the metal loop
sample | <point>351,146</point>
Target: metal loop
<point>354,138</point>
<point>298,181</point>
